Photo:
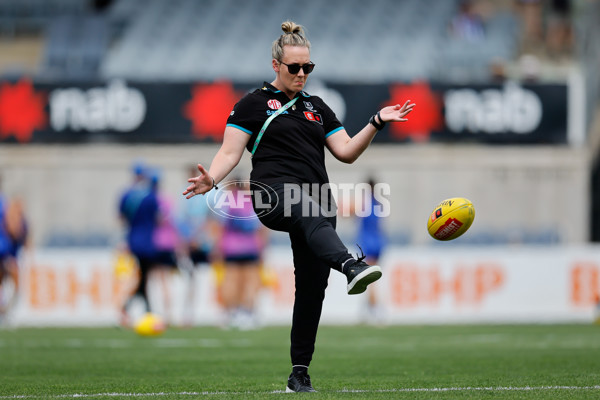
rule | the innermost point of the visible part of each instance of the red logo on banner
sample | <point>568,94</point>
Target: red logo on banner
<point>209,108</point>
<point>21,110</point>
<point>427,115</point>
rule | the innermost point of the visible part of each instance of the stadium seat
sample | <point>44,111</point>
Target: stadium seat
<point>205,40</point>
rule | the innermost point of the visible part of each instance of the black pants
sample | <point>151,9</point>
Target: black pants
<point>145,263</point>
<point>316,249</point>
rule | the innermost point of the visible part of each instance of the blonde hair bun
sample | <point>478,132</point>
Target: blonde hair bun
<point>292,27</point>
<point>293,35</point>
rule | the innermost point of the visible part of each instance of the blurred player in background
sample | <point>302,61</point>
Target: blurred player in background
<point>5,245</point>
<point>293,129</point>
<point>139,208</point>
<point>13,237</point>
<point>166,243</point>
<point>242,240</point>
<point>197,232</point>
<point>371,240</point>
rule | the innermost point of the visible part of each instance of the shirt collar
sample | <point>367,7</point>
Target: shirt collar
<point>270,88</point>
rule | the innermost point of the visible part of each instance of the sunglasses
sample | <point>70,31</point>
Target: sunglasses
<point>295,68</point>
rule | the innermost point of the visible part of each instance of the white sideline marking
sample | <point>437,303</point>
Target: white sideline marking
<point>401,390</point>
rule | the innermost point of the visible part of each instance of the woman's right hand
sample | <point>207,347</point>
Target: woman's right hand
<point>199,184</point>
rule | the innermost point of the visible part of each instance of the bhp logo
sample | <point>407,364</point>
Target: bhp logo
<point>585,283</point>
<point>51,288</point>
<point>418,285</point>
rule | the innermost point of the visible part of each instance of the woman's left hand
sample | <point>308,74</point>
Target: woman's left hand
<point>397,112</point>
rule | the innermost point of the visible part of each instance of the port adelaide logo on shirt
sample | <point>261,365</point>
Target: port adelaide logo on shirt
<point>311,115</point>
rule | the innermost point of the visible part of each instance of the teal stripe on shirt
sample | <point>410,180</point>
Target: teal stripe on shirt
<point>240,128</point>
<point>334,131</point>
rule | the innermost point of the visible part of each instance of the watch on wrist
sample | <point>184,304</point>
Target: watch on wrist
<point>379,126</point>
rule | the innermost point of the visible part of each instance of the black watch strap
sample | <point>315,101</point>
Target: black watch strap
<point>375,124</point>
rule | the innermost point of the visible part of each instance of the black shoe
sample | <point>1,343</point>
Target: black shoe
<point>299,382</point>
<point>360,275</point>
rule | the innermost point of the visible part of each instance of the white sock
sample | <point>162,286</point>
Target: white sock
<point>345,262</point>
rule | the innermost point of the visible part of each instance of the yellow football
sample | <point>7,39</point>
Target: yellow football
<point>150,325</point>
<point>451,218</point>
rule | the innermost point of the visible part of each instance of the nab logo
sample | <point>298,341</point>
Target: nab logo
<point>209,107</point>
<point>511,109</point>
<point>21,110</point>
<point>115,107</point>
<point>424,120</point>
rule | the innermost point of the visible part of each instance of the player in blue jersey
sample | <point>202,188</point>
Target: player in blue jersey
<point>139,208</point>
<point>13,235</point>
<point>371,239</point>
<point>5,248</point>
<point>197,231</point>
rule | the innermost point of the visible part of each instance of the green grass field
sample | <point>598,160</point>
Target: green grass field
<point>354,362</point>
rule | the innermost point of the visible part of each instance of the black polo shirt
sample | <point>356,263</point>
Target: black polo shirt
<point>292,149</point>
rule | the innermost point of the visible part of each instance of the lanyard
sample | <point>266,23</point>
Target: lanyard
<point>268,121</point>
